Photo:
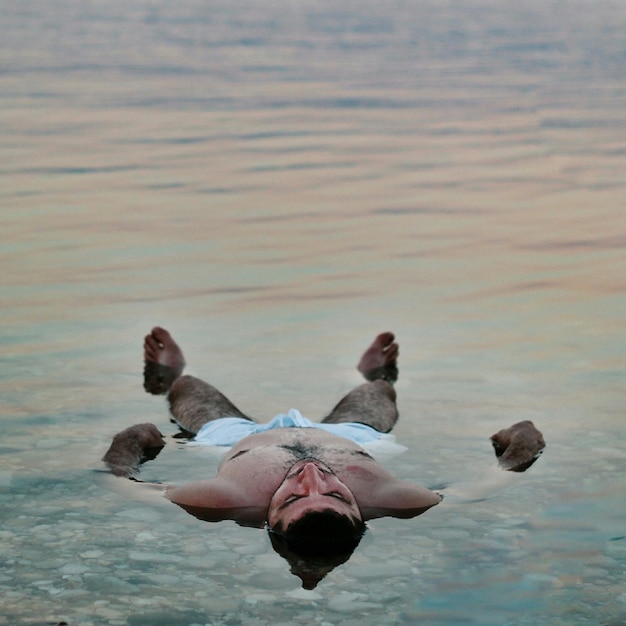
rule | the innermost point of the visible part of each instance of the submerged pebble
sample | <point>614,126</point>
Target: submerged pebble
<point>106,584</point>
<point>154,557</point>
<point>347,602</point>
<point>307,595</point>
<point>379,570</point>
<point>144,514</point>
<point>74,568</point>
<point>270,579</point>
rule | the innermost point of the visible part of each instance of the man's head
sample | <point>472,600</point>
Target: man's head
<point>314,521</point>
<point>316,544</point>
<point>310,486</point>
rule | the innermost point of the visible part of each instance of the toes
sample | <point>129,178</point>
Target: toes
<point>379,360</point>
<point>384,340</point>
<point>155,342</point>
<point>151,348</point>
<point>391,353</point>
<point>388,349</point>
<point>160,349</point>
<point>161,336</point>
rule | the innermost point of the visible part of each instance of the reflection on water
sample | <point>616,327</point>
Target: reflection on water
<point>277,182</point>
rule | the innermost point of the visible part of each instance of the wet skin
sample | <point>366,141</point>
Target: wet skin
<point>518,446</point>
<point>279,475</point>
<point>310,485</point>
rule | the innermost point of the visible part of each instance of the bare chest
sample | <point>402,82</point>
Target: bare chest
<point>264,461</point>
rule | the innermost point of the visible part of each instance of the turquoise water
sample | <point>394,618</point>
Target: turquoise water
<point>276,183</point>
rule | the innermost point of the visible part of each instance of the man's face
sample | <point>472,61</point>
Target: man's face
<point>310,486</point>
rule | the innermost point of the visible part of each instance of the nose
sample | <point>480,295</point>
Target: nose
<point>310,476</point>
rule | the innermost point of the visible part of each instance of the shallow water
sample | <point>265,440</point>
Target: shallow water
<point>276,183</point>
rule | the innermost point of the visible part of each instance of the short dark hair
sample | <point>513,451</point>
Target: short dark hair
<point>322,533</point>
<point>316,543</point>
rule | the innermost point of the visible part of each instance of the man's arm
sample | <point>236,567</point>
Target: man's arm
<point>399,499</point>
<point>219,499</point>
<point>209,500</point>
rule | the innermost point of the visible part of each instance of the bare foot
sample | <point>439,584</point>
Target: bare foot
<point>380,359</point>
<point>159,347</point>
<point>163,361</point>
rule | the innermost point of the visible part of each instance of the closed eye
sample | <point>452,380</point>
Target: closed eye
<point>295,497</point>
<point>337,496</point>
<point>289,501</point>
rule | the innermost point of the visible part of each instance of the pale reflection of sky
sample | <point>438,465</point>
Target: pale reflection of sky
<point>276,183</point>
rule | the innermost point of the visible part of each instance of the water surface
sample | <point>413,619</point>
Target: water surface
<point>276,183</point>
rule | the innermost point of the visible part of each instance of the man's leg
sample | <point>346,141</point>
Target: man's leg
<point>373,403</point>
<point>193,402</point>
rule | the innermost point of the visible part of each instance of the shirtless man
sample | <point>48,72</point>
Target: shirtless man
<point>295,480</point>
<point>311,485</point>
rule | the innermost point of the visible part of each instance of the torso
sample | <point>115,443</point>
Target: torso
<point>255,467</point>
<point>263,460</point>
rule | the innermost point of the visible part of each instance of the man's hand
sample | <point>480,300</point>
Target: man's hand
<point>131,447</point>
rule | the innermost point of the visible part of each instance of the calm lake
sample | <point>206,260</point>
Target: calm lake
<point>276,183</point>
